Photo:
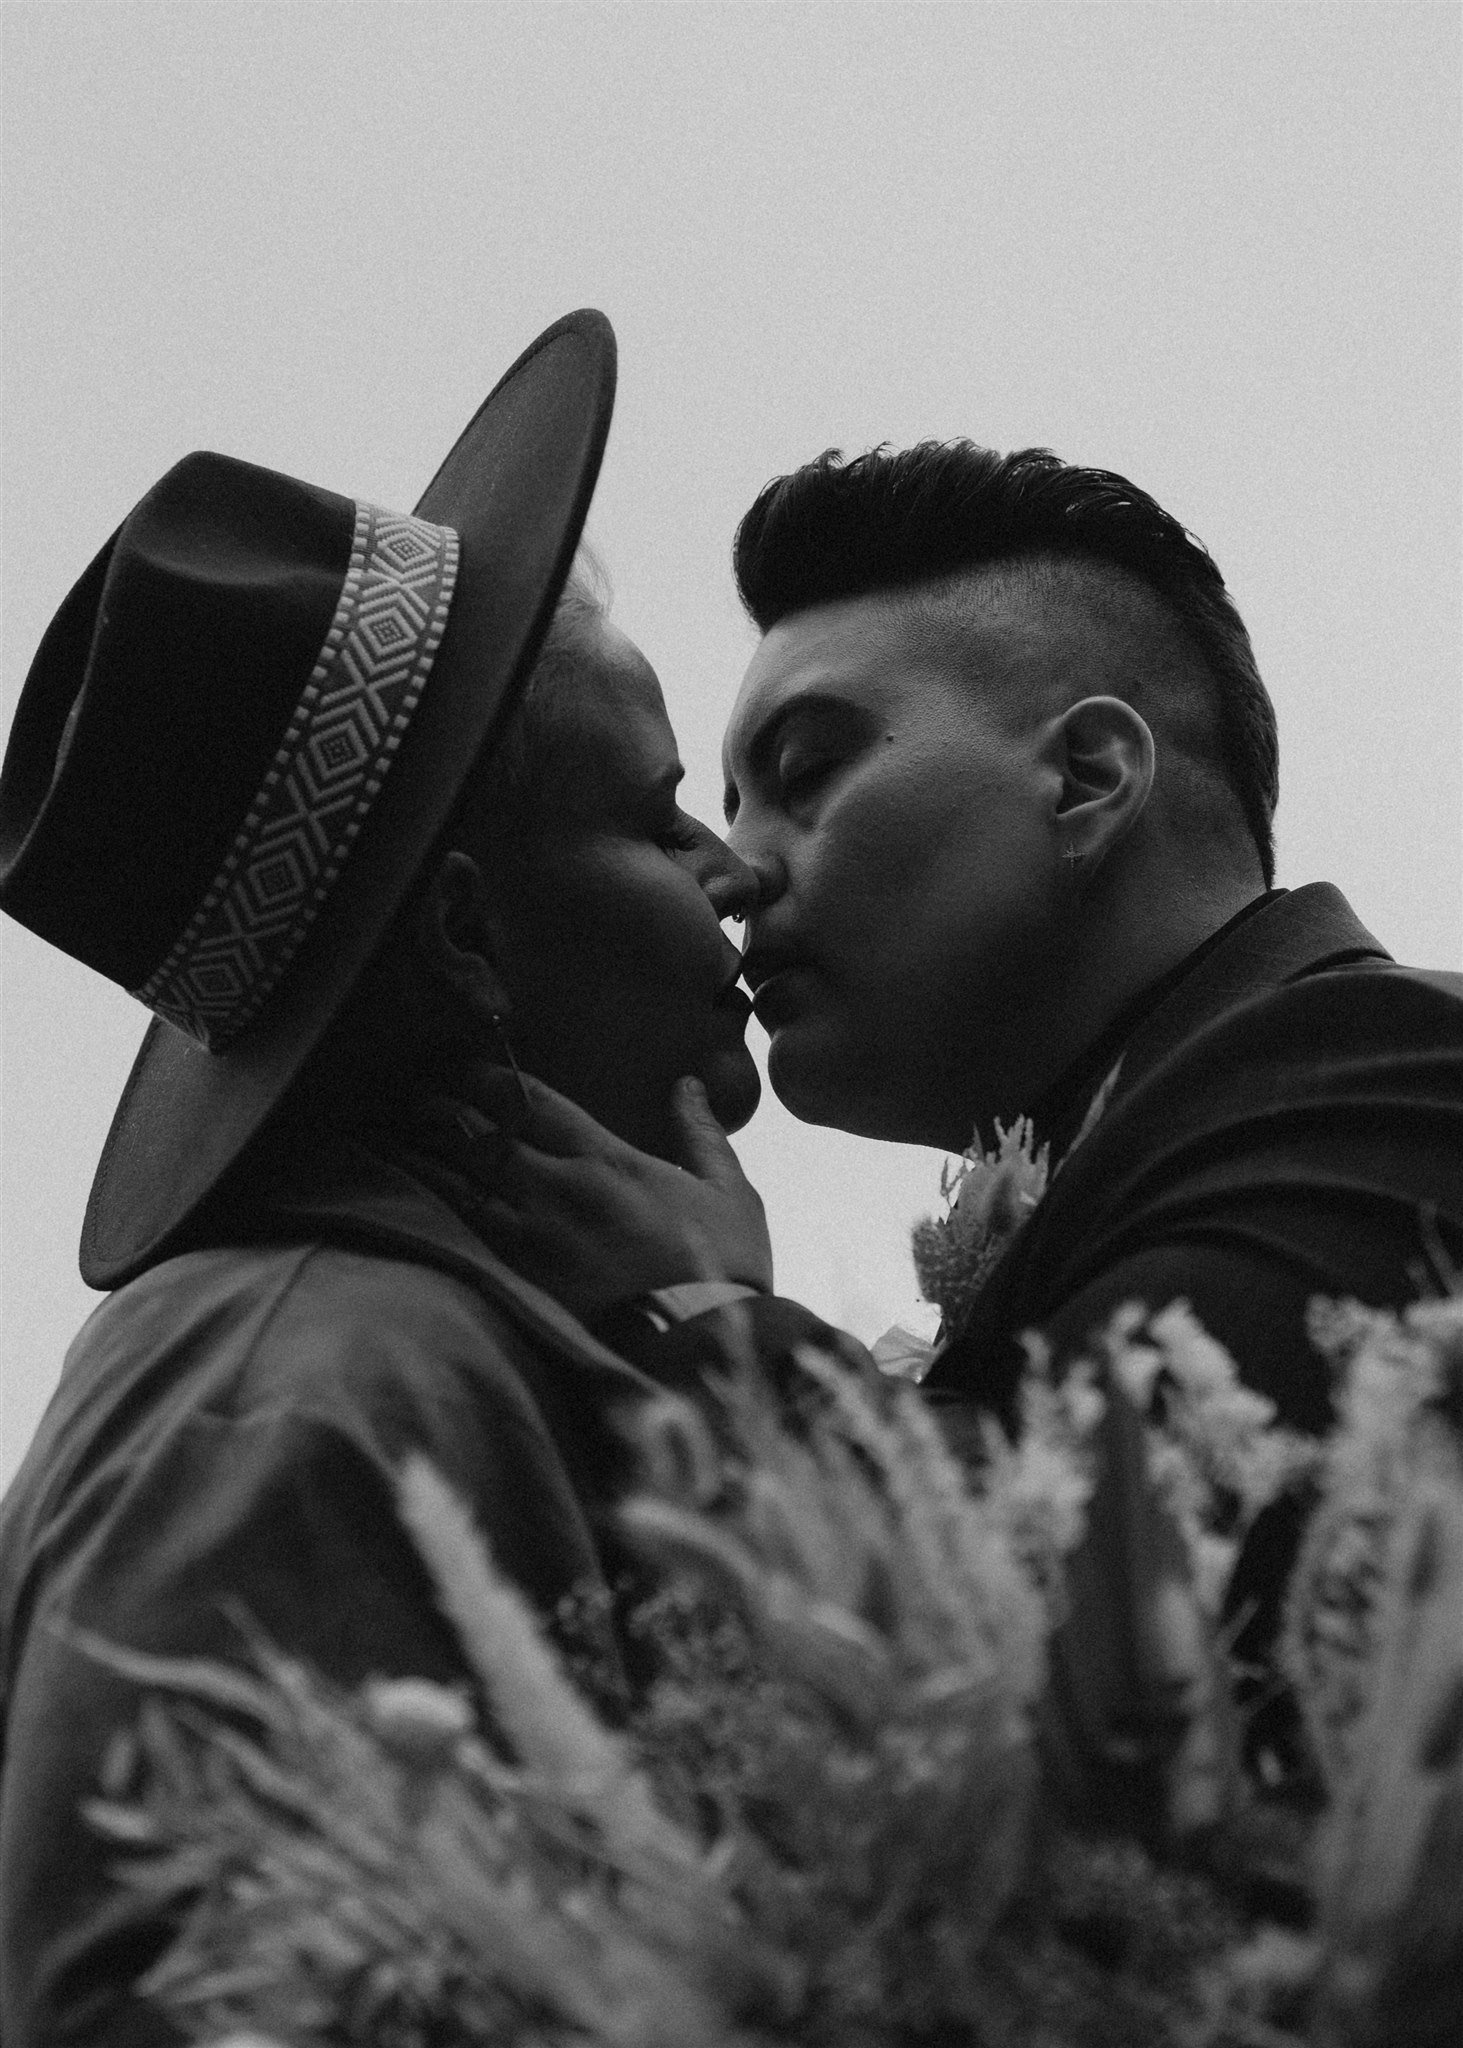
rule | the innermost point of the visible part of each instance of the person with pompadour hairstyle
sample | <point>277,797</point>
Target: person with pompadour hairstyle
<point>1006,772</point>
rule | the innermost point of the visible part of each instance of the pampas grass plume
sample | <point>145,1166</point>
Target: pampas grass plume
<point>546,1722</point>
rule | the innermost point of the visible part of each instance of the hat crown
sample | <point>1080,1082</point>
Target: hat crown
<point>171,671</point>
<point>174,689</point>
<point>216,704</point>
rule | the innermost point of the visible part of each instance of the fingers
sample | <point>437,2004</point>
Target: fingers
<point>552,1124</point>
<point>561,1129</point>
<point>705,1149</point>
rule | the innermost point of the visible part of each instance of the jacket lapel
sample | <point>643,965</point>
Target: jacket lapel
<point>354,1197</point>
<point>1306,931</point>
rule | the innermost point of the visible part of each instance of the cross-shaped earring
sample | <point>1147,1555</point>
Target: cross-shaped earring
<point>1073,856</point>
<point>500,1027</point>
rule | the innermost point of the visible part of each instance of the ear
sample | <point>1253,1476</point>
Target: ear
<point>457,938</point>
<point>1103,751</point>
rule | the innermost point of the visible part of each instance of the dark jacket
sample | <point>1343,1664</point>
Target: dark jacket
<point>1287,1121</point>
<point>226,1431</point>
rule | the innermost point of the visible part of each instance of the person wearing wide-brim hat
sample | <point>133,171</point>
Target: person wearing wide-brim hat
<point>235,785</point>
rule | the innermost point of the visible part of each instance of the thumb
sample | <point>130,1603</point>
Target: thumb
<point>704,1147</point>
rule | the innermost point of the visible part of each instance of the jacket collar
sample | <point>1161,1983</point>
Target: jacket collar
<point>351,1195</point>
<point>1305,931</point>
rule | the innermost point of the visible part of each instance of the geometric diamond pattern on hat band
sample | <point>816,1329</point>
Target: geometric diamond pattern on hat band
<point>325,776</point>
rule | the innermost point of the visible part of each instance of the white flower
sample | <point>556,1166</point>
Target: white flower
<point>990,1194</point>
<point>906,1350</point>
<point>420,1721</point>
<point>1214,1452</point>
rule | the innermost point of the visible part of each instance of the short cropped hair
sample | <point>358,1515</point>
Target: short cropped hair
<point>889,522</point>
<point>542,721</point>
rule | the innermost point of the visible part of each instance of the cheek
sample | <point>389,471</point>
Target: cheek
<point>669,937</point>
<point>920,906</point>
<point>952,823</point>
<point>642,945</point>
<point>881,851</point>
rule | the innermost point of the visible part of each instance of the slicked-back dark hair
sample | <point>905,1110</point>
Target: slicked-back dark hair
<point>892,521</point>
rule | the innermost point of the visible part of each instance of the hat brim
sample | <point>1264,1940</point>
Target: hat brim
<point>516,489</point>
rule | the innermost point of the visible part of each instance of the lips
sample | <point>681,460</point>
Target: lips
<point>774,978</point>
<point>735,1002</point>
<point>777,999</point>
<point>761,964</point>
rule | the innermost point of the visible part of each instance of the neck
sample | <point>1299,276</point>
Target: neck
<point>1138,942</point>
<point>1117,950</point>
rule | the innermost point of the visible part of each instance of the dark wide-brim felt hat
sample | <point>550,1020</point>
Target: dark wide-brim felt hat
<point>244,732</point>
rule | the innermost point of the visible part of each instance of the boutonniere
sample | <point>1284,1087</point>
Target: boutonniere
<point>991,1193</point>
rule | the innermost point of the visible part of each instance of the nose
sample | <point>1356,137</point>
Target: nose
<point>731,885</point>
<point>768,875</point>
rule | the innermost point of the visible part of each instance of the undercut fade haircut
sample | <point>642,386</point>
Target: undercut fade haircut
<point>891,522</point>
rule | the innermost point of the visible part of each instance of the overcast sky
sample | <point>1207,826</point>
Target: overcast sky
<point>1213,246</point>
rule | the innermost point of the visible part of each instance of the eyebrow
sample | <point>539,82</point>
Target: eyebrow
<point>811,703</point>
<point>644,793</point>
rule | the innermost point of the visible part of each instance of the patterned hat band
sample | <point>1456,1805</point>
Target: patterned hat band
<point>321,784</point>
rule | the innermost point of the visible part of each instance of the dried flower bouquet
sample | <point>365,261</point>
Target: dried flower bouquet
<point>826,1825</point>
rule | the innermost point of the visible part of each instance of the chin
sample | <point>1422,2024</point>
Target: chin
<point>801,1086</point>
<point>733,1088</point>
<point>820,1091</point>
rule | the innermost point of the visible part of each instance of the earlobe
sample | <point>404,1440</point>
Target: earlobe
<point>457,938</point>
<point>1107,760</point>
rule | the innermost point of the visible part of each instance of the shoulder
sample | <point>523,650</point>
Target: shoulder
<point>322,1341</point>
<point>1354,1040</point>
<point>243,1413</point>
<point>298,1308</point>
<point>1371,1008</point>
<point>1339,1091</point>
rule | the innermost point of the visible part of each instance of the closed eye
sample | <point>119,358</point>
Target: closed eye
<point>798,777</point>
<point>803,746</point>
<point>802,768</point>
<point>681,835</point>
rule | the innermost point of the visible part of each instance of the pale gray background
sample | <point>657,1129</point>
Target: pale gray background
<point>1213,246</point>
